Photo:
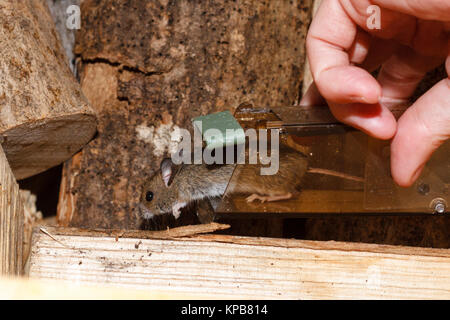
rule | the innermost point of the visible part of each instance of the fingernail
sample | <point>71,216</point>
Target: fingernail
<point>391,102</point>
<point>364,100</point>
<point>359,100</point>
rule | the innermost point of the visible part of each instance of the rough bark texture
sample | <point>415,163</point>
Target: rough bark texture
<point>44,117</point>
<point>148,67</point>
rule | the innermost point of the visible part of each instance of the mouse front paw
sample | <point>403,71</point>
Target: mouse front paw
<point>176,209</point>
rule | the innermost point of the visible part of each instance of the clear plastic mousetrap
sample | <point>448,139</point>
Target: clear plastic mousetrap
<point>348,172</point>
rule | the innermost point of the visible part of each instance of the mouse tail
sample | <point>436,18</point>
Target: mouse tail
<point>335,174</point>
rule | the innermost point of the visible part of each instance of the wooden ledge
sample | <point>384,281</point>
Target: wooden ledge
<point>243,267</point>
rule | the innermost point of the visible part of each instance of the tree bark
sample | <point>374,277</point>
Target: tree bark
<point>44,117</point>
<point>148,67</point>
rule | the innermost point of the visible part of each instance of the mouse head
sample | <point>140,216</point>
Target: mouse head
<point>159,193</point>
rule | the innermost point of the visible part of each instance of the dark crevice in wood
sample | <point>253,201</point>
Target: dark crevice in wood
<point>122,66</point>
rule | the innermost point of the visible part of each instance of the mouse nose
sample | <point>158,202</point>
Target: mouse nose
<point>145,212</point>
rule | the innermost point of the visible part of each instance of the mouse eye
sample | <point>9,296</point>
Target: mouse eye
<point>149,196</point>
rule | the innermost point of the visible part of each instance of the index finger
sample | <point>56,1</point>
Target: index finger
<point>351,92</point>
<point>330,36</point>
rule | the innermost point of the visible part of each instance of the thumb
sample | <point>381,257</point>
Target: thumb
<point>421,130</point>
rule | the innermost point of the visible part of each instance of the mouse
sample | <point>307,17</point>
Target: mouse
<point>173,187</point>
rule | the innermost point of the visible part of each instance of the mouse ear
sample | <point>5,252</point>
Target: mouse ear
<point>166,170</point>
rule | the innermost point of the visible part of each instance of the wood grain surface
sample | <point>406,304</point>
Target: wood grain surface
<point>11,221</point>
<point>245,267</point>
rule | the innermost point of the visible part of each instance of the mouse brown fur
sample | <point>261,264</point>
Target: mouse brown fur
<point>174,187</point>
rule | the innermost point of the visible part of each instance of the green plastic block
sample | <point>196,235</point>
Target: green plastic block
<point>219,130</point>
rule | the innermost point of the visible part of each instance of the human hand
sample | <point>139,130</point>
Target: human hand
<point>413,39</point>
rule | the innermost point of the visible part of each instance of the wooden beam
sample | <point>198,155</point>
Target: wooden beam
<point>245,267</point>
<point>11,221</point>
<point>31,289</point>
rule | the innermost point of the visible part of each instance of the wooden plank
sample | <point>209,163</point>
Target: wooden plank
<point>245,267</point>
<point>11,221</point>
<point>31,289</point>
